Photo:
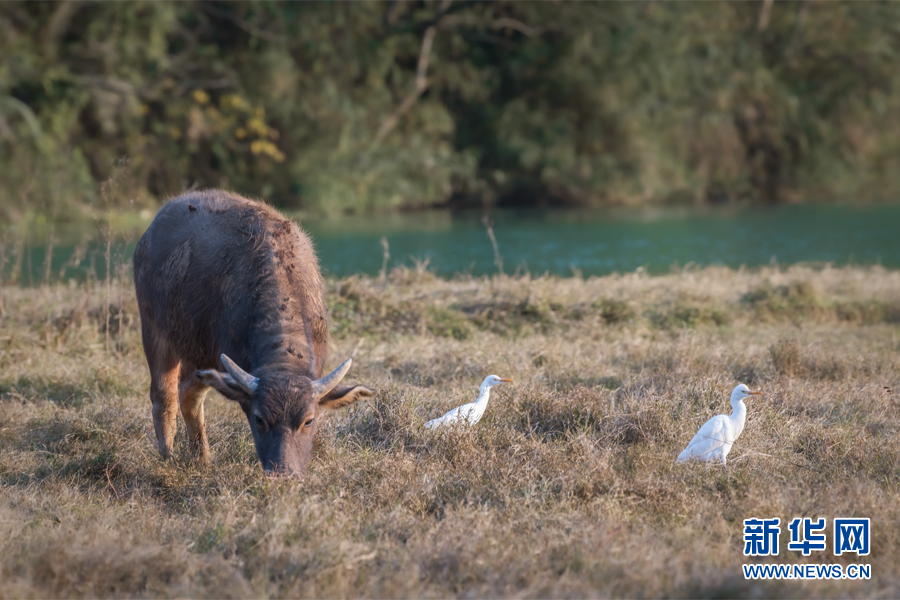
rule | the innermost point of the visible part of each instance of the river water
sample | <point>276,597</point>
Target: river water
<point>562,242</point>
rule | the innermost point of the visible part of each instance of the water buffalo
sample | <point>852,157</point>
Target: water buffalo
<point>221,279</point>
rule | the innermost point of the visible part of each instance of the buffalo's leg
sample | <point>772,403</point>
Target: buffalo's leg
<point>164,397</point>
<point>164,370</point>
<point>191,396</point>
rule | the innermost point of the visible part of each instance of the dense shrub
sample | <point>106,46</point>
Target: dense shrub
<point>356,107</point>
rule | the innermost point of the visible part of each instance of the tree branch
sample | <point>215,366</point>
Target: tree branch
<point>57,25</point>
<point>765,11</point>
<point>500,23</point>
<point>421,82</point>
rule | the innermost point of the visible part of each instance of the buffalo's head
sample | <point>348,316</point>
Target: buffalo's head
<point>283,408</point>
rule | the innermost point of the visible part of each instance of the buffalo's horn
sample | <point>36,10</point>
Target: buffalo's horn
<point>242,377</point>
<point>325,384</point>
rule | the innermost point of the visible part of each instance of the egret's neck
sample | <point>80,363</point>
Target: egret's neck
<point>484,394</point>
<point>738,415</point>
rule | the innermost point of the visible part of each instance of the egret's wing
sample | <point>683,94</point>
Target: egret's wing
<point>460,413</point>
<point>708,440</point>
<point>467,413</point>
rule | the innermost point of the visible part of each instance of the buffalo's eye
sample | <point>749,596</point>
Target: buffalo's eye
<point>259,421</point>
<point>309,422</point>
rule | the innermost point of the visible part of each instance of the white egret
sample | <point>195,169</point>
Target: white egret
<point>714,440</point>
<point>470,413</point>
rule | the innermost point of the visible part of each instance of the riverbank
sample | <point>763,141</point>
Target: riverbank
<point>566,488</point>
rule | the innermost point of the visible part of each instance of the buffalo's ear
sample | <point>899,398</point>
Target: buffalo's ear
<point>344,395</point>
<point>223,383</point>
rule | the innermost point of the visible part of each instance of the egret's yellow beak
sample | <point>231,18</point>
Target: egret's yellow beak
<point>506,380</point>
<point>756,393</point>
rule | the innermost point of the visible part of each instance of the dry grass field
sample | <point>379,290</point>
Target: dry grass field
<point>567,488</point>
